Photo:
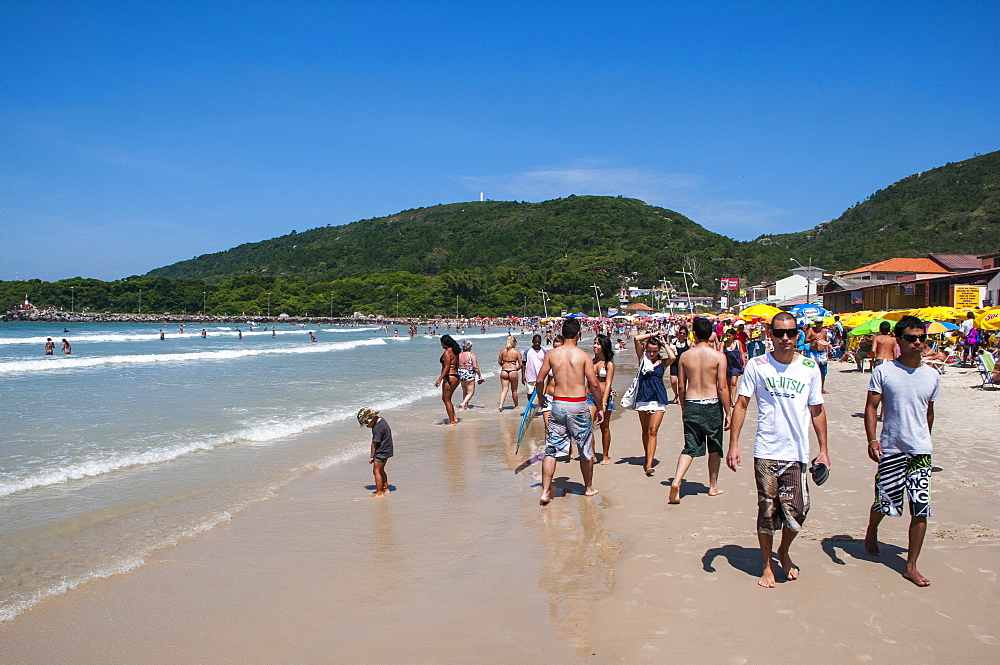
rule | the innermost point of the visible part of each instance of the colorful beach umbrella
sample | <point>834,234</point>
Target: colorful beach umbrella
<point>938,327</point>
<point>869,327</point>
<point>897,314</point>
<point>808,311</point>
<point>765,312</point>
<point>988,319</point>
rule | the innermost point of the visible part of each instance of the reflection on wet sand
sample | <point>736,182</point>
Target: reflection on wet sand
<point>581,563</point>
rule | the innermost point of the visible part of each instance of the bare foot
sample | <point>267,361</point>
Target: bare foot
<point>871,543</point>
<point>791,570</point>
<point>605,460</point>
<point>376,494</point>
<point>544,499</point>
<point>766,580</point>
<point>500,409</point>
<point>675,495</point>
<point>914,576</point>
<point>826,392</point>
<point>649,472</point>
<point>592,492</point>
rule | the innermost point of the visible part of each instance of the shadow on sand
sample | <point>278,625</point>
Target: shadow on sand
<point>891,556</point>
<point>746,559</point>
<point>688,487</point>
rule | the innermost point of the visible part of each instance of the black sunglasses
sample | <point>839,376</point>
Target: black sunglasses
<point>913,338</point>
<point>784,332</point>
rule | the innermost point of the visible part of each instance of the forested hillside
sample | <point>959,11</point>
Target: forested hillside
<point>951,209</point>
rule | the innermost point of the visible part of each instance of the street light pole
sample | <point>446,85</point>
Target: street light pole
<point>808,274</point>
<point>204,299</point>
<point>72,299</point>
<point>686,290</point>
<point>331,305</point>
<point>397,306</point>
<point>268,304</point>
<point>597,294</point>
<point>140,301</point>
<point>545,308</point>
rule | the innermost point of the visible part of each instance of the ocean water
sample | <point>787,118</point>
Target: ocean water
<point>133,443</point>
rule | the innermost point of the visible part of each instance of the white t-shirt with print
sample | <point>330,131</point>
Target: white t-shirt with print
<point>784,395</point>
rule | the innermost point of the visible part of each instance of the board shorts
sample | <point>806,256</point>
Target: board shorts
<point>900,473</point>
<point>703,423</point>
<point>569,422</point>
<point>381,460</point>
<point>652,405</point>
<point>782,495</point>
<point>610,406</point>
<point>466,375</point>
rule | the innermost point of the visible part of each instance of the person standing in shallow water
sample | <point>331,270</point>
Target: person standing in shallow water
<point>448,379</point>
<point>381,448</point>
<point>907,390</point>
<point>50,346</point>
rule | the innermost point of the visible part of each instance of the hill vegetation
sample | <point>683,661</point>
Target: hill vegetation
<point>952,209</point>
<point>493,258</point>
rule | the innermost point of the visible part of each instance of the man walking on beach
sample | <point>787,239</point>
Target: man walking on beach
<point>907,390</point>
<point>788,391</point>
<point>703,393</point>
<point>569,421</point>
<point>532,360</point>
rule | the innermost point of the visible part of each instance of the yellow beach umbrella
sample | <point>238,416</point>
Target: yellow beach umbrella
<point>896,314</point>
<point>988,319</point>
<point>857,318</point>
<point>761,311</point>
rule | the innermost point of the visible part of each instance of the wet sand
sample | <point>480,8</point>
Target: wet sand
<point>460,563</point>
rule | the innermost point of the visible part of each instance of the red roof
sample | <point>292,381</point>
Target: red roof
<point>640,307</point>
<point>958,261</point>
<point>923,266</point>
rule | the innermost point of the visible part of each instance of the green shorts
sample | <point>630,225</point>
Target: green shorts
<point>703,425</point>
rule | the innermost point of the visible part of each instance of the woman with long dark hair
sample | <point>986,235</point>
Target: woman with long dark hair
<point>604,367</point>
<point>448,380</point>
<point>651,396</point>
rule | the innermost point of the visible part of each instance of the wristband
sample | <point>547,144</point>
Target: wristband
<point>874,441</point>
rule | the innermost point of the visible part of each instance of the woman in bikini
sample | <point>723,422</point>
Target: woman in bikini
<point>651,397</point>
<point>680,346</point>
<point>510,363</point>
<point>448,380</point>
<point>468,373</point>
<point>604,367</point>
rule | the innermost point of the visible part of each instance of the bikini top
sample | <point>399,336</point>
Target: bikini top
<point>602,373</point>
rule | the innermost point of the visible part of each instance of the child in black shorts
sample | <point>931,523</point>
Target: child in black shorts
<point>381,447</point>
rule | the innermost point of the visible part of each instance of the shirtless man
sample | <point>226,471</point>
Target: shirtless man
<point>884,345</point>
<point>703,393</point>
<point>572,375</point>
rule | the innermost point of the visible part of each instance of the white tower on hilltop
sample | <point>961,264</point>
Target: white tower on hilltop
<point>480,196</point>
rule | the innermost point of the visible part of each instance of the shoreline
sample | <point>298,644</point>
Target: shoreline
<point>43,316</point>
<point>461,562</point>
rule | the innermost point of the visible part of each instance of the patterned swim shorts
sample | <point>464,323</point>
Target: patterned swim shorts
<point>898,473</point>
<point>782,495</point>
<point>569,422</point>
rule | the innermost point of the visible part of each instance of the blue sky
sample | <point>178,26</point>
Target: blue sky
<point>137,134</point>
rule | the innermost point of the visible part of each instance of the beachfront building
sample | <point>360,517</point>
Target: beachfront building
<point>917,283</point>
<point>804,282</point>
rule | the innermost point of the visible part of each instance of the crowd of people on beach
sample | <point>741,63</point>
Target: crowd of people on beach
<point>714,369</point>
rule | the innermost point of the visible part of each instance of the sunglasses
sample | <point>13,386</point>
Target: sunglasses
<point>914,338</point>
<point>784,332</point>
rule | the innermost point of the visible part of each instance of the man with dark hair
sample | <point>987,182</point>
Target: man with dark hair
<point>532,359</point>
<point>787,387</point>
<point>569,421</point>
<point>703,393</point>
<point>907,390</point>
<point>884,345</point>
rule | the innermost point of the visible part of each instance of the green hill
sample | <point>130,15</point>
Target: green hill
<point>578,235</point>
<point>951,209</point>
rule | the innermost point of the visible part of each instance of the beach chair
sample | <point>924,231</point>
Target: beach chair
<point>985,364</point>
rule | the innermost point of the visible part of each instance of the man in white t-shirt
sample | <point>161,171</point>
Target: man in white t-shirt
<point>907,390</point>
<point>533,357</point>
<point>789,395</point>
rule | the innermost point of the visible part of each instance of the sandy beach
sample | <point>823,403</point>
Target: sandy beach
<point>461,564</point>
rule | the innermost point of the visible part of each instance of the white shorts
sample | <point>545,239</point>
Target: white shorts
<point>651,405</point>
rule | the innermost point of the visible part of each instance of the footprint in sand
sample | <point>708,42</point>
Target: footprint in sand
<point>981,635</point>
